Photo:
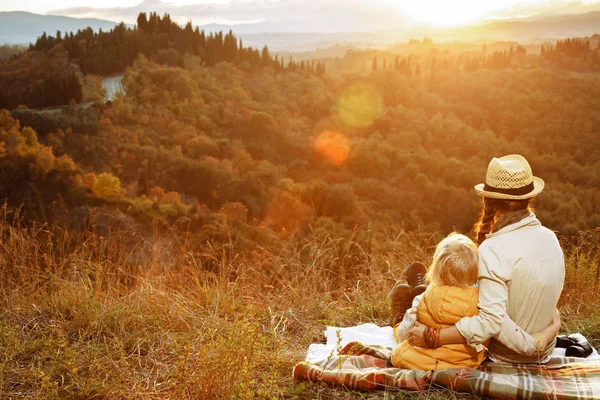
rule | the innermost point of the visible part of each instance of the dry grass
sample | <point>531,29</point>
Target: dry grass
<point>579,303</point>
<point>121,316</point>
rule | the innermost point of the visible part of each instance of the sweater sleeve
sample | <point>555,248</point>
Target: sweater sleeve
<point>401,330</point>
<point>495,272</point>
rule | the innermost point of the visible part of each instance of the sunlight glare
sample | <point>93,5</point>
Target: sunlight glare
<point>443,13</point>
<point>333,146</point>
<point>360,105</point>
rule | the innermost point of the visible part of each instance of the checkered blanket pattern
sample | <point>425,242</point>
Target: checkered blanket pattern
<point>367,367</point>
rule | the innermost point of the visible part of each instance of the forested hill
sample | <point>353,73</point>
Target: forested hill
<point>245,149</point>
<point>51,72</point>
<point>40,79</point>
<point>258,156</point>
<point>109,52</point>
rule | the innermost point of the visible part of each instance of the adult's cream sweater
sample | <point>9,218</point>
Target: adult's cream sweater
<point>521,274</point>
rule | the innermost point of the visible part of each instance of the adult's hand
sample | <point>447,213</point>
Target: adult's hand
<point>416,336</point>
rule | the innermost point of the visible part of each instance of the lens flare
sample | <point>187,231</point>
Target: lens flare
<point>333,146</point>
<point>360,105</point>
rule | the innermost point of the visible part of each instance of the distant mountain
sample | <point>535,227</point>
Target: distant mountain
<point>550,26</point>
<point>17,27</point>
<point>256,28</point>
<point>298,35</point>
<point>525,30</point>
<point>572,23</point>
<point>564,17</point>
<point>280,35</point>
<point>321,25</point>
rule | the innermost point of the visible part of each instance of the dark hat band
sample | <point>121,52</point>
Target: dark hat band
<point>513,191</point>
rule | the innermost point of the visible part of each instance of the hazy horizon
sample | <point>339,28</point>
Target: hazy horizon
<point>321,16</point>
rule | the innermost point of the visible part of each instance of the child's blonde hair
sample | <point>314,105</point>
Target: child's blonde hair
<point>454,262</point>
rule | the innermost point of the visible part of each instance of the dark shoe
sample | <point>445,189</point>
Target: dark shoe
<point>583,350</point>
<point>400,301</point>
<point>574,346</point>
<point>564,342</point>
<point>417,290</point>
<point>415,274</point>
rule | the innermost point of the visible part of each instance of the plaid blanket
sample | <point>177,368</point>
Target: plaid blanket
<point>365,367</point>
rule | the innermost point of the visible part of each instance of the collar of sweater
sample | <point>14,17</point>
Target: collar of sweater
<point>530,220</point>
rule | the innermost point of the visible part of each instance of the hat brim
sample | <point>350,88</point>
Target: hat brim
<point>538,186</point>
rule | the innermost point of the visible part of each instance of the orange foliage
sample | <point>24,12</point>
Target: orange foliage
<point>333,146</point>
<point>286,212</point>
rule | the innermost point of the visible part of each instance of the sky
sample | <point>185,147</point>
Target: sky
<point>333,15</point>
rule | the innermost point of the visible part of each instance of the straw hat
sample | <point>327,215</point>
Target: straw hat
<point>510,177</point>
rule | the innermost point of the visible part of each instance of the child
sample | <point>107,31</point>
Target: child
<point>450,296</point>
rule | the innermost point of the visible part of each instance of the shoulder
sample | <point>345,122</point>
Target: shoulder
<point>529,241</point>
<point>493,261</point>
<point>550,234</point>
<point>492,247</point>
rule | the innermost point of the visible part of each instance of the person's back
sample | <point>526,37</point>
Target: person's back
<point>532,261</point>
<point>521,264</point>
<point>521,272</point>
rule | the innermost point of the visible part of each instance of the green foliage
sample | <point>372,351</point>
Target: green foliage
<point>201,146</point>
<point>8,51</point>
<point>262,125</point>
<point>573,54</point>
<point>30,137</point>
<point>31,176</point>
<point>40,79</point>
<point>403,150</point>
<point>79,119</point>
<point>339,202</point>
<point>92,90</point>
<point>107,186</point>
<point>161,39</point>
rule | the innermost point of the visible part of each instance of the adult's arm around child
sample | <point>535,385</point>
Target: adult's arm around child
<point>494,272</point>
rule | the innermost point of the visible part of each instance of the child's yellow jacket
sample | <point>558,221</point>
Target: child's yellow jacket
<point>441,307</point>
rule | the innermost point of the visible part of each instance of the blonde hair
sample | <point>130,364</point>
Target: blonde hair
<point>454,262</point>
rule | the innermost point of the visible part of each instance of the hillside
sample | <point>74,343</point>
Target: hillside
<point>51,72</point>
<point>346,152</point>
<point>193,237</point>
<point>293,150</point>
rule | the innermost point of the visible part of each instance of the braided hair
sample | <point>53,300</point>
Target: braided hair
<point>498,213</point>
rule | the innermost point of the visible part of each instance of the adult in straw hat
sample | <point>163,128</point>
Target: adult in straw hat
<point>521,269</point>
